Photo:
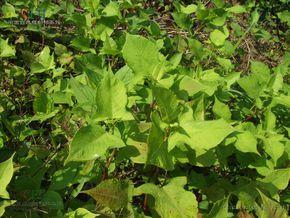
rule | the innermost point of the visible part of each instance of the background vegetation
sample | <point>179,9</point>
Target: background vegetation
<point>136,108</point>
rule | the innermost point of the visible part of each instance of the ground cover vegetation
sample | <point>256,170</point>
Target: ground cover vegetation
<point>133,108</point>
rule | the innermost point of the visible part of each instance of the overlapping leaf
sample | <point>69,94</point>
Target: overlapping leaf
<point>91,142</point>
<point>171,200</point>
<point>111,99</point>
<point>6,173</point>
<point>201,135</point>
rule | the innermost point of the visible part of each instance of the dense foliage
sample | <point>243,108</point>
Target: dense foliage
<point>133,108</point>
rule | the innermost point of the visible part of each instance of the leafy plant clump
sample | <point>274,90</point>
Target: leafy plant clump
<point>132,108</point>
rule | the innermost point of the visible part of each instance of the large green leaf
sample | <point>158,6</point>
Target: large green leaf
<point>171,200</point>
<point>91,142</point>
<point>6,173</point>
<point>111,193</point>
<point>111,99</point>
<point>141,55</point>
<point>201,135</point>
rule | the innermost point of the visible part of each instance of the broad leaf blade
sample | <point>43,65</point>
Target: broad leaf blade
<point>201,135</point>
<point>91,142</point>
<point>6,173</point>
<point>111,99</point>
<point>141,55</point>
<point>171,200</point>
<point>111,193</point>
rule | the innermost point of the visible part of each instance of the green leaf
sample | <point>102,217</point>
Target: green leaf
<point>196,47</point>
<point>109,47</point>
<point>104,27</point>
<point>277,180</point>
<point>167,103</point>
<point>283,100</point>
<point>5,49</point>
<point>91,6</point>
<point>8,11</point>
<point>261,71</point>
<point>42,103</point>
<point>43,61</point>
<point>219,20</point>
<point>232,78</point>
<point>112,9</point>
<point>6,173</point>
<point>246,142</point>
<point>221,110</point>
<point>171,200</point>
<point>82,44</point>
<point>274,146</point>
<point>276,83</point>
<point>189,9</point>
<point>270,208</point>
<point>251,84</point>
<point>255,16</point>
<point>190,85</point>
<point>141,55</point>
<point>84,94</point>
<point>237,9</point>
<point>201,135</point>
<point>225,63</point>
<point>4,204</point>
<point>284,16</point>
<point>43,116</point>
<point>81,213</point>
<point>219,3</point>
<point>52,200</point>
<point>65,176</point>
<point>157,146</point>
<point>219,209</point>
<point>111,193</point>
<point>217,37</point>
<point>91,142</point>
<point>111,99</point>
<point>270,120</point>
<point>182,20</point>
